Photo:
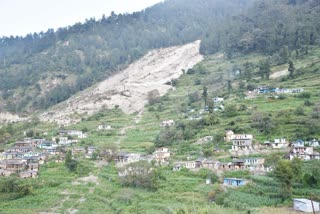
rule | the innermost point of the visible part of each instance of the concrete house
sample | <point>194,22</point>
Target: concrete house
<point>167,123</point>
<point>313,143</point>
<point>305,205</point>
<point>254,163</point>
<point>234,182</point>
<point>74,133</point>
<point>126,158</point>
<point>190,164</point>
<point>298,143</point>
<point>161,154</point>
<point>103,127</point>
<point>304,153</point>
<point>28,174</point>
<point>280,144</point>
<point>47,144</point>
<point>199,162</point>
<point>218,100</point>
<point>241,142</point>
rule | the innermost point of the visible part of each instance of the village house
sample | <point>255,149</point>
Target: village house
<point>33,166</point>
<point>167,123</point>
<point>241,142</point>
<point>280,144</point>
<point>47,144</point>
<point>225,166</point>
<point>125,158</point>
<point>20,144</point>
<point>238,164</point>
<point>14,166</point>
<point>218,100</point>
<point>78,150</point>
<point>161,155</point>
<point>199,162</point>
<point>177,167</point>
<point>103,127</point>
<point>73,133</point>
<point>304,153</point>
<point>190,164</point>
<point>28,174</point>
<point>65,141</point>
<point>254,163</point>
<point>12,155</point>
<point>52,151</point>
<point>209,164</point>
<point>31,154</point>
<point>21,149</point>
<point>234,182</point>
<point>313,143</point>
<point>298,143</point>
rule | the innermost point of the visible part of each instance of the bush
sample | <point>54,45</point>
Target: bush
<point>304,95</point>
<point>308,103</point>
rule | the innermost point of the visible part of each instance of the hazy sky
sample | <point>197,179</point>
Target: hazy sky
<point>20,17</point>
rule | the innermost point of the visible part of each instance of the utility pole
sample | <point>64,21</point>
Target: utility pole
<point>314,212</point>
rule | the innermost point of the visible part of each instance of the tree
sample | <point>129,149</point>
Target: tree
<point>264,69</point>
<point>229,86</point>
<point>284,55</point>
<point>140,174</point>
<point>205,95</point>
<point>291,69</point>
<point>70,163</point>
<point>284,172</point>
<point>247,71</point>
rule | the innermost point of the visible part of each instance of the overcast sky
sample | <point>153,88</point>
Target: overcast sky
<point>20,17</point>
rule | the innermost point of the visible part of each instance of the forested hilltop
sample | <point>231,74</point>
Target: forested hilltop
<point>43,69</point>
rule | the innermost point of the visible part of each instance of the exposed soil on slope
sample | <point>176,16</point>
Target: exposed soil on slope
<point>129,88</point>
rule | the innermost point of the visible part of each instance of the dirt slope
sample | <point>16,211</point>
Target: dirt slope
<point>129,88</point>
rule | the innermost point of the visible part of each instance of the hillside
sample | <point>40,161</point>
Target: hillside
<point>129,89</point>
<point>43,69</point>
<point>152,133</point>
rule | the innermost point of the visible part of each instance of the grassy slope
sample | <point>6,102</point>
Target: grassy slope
<point>54,190</point>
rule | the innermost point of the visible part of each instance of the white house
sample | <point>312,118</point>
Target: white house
<point>280,144</point>
<point>218,100</point>
<point>190,164</point>
<point>104,127</point>
<point>305,205</point>
<point>242,142</point>
<point>167,123</point>
<point>298,143</point>
<point>314,143</point>
<point>74,133</point>
<point>161,154</point>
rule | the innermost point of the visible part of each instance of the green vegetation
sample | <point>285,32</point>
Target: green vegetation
<point>89,185</point>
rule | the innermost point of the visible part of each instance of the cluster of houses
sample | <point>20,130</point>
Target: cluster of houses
<point>25,157</point>
<point>268,89</point>
<point>271,90</point>
<point>242,144</point>
<point>160,156</point>
<point>251,164</point>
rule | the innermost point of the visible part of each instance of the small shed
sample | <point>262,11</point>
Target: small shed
<point>305,205</point>
<point>235,182</point>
